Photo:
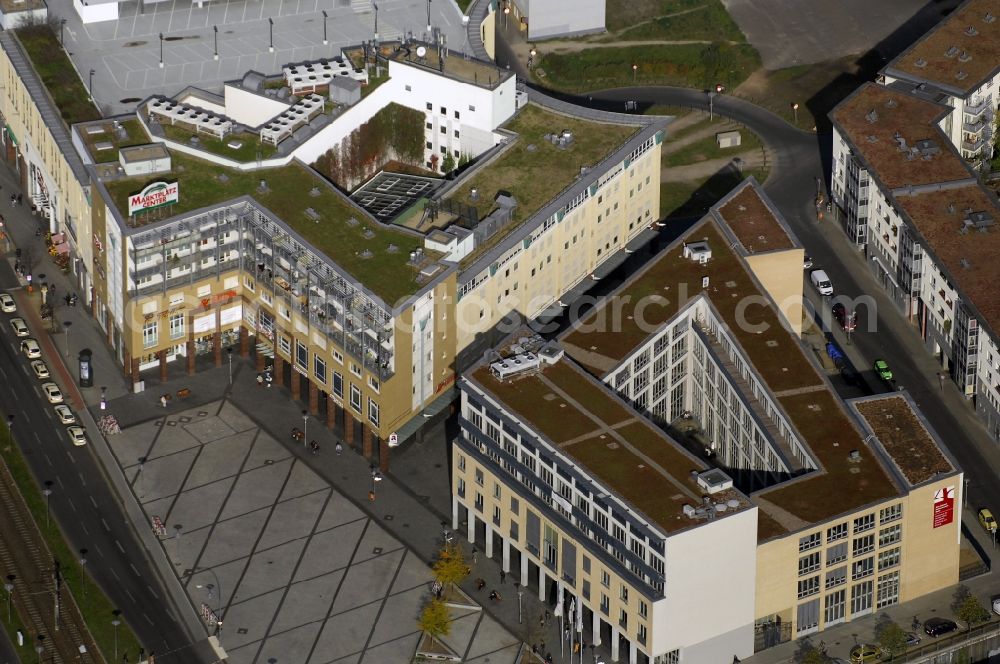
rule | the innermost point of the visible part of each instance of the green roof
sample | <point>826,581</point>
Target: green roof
<point>289,193</point>
<point>535,175</point>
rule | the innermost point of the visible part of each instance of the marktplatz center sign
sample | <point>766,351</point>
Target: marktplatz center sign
<point>156,194</point>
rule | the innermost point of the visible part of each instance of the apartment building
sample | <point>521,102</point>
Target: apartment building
<point>957,64</point>
<point>546,19</point>
<point>915,207</point>
<point>681,428</point>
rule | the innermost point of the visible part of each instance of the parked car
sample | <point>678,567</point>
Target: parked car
<point>30,348</point>
<point>52,393</point>
<point>865,652</point>
<point>20,327</point>
<point>996,605</point>
<point>7,304</point>
<point>882,370</point>
<point>937,626</point>
<point>77,435</point>
<point>912,639</point>
<point>807,263</point>
<point>821,282</point>
<point>40,369</point>
<point>65,415</point>
<point>987,521</point>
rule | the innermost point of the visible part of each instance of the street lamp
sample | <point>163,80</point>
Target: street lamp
<point>325,40</point>
<point>9,587</point>
<point>90,85</point>
<point>506,13</point>
<point>428,19</point>
<point>67,324</point>
<point>215,29</point>
<point>795,112</point>
<point>711,103</point>
<point>517,587</point>
<point>115,622</point>
<point>40,647</point>
<point>62,26</point>
<point>211,590</point>
<point>161,50</point>
<point>376,24</point>
<point>47,491</point>
<point>229,351</point>
<point>104,398</point>
<point>376,477</point>
<point>305,427</point>
<point>83,571</point>
<point>635,71</point>
<point>270,27</point>
<point>531,56</point>
<point>10,427</point>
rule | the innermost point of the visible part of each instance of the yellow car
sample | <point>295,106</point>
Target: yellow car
<point>865,653</point>
<point>987,521</point>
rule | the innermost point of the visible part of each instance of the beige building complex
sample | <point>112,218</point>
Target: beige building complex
<point>197,226</point>
<point>677,465</point>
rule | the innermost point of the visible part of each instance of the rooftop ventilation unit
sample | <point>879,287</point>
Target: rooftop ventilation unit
<point>964,262</point>
<point>961,75</point>
<point>989,18</point>
<point>714,480</point>
<point>872,116</point>
<point>964,56</point>
<point>951,52</point>
<point>698,251</point>
<point>891,103</point>
<point>981,221</point>
<point>550,353</point>
<point>971,31</point>
<point>900,141</point>
<point>927,147</point>
<point>920,63</point>
<point>513,366</point>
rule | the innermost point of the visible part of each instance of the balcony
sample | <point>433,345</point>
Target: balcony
<point>974,145</point>
<point>973,127</point>
<point>976,107</point>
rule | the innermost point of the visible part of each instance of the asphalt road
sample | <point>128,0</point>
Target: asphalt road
<point>85,506</point>
<point>798,158</point>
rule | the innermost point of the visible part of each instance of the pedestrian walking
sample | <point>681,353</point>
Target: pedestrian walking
<point>495,596</point>
<point>941,380</point>
<point>503,577</point>
<point>475,555</point>
<point>339,448</point>
<point>541,623</point>
<point>163,400</point>
<point>480,584</point>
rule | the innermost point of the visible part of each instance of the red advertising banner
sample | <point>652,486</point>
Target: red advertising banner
<point>944,506</point>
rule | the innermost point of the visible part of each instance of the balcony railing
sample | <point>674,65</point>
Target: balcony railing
<point>975,107</point>
<point>973,145</point>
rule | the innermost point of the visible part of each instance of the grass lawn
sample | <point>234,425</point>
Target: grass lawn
<point>245,153</point>
<point>57,74</point>
<point>94,605</point>
<point>708,148</point>
<point>535,177</point>
<point>671,20</point>
<point>689,199</point>
<point>464,5</point>
<point>374,82</point>
<point>288,195</point>
<point>688,65</point>
<point>134,135</point>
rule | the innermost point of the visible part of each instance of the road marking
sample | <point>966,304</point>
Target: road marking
<point>47,459</point>
<point>105,523</point>
<point>131,597</point>
<point>84,528</point>
<point>93,502</point>
<point>153,593</point>
<point>119,545</point>
<point>72,505</point>
<point>134,570</point>
<point>114,573</point>
<point>83,481</point>
<point>148,620</point>
<point>59,479</point>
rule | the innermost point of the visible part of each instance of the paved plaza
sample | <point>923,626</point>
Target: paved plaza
<point>297,572</point>
<point>125,54</point>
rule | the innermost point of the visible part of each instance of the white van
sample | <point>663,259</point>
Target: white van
<point>821,282</point>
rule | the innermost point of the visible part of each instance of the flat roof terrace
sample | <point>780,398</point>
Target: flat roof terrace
<point>884,127</point>
<point>534,170</point>
<point>455,65</point>
<point>374,255</point>
<point>968,254</point>
<point>904,438</point>
<point>959,53</point>
<point>586,421</point>
<point>609,334</point>
<point>753,221</point>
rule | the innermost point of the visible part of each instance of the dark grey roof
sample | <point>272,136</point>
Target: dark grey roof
<point>40,96</point>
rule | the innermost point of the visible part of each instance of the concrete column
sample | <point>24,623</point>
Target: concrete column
<point>366,441</point>
<point>296,384</point>
<point>135,370</point>
<point>489,541</point>
<point>615,638</point>
<point>190,356</point>
<point>313,399</point>
<point>472,526</point>
<point>217,344</point>
<point>595,629</point>
<point>331,413</point>
<point>259,361</point>
<point>454,512</point>
<point>127,364</point>
<point>162,355</point>
<point>244,342</point>
<point>505,556</point>
<point>633,652</point>
<point>383,453</point>
<point>541,584</point>
<point>524,568</point>
<point>348,428</point>
<point>279,368</point>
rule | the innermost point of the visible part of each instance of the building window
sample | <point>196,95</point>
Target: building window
<point>479,476</point>
<point>444,111</point>
<point>866,522</point>
<point>472,108</point>
<point>888,590</point>
<point>623,618</point>
<point>430,106</point>
<point>457,115</point>
<point>836,577</point>
<point>301,355</point>
<point>479,501</point>
<point>887,559</point>
<point>461,462</point>
<point>373,383</point>
<point>355,398</point>
<point>496,490</point>
<point>890,535</point>
<point>643,609</point>
<point>461,487</point>
<point>515,506</point>
<point>808,587</point>
<point>550,546</point>
<point>284,345</point>
<point>319,369</point>
<point>586,590</point>
<point>810,541</point>
<point>496,515</point>
<point>623,593</point>
<point>338,384</point>
<point>837,532</point>
<point>356,370</point>
<point>809,563</point>
<point>176,326</point>
<point>150,333</point>
<point>861,597</point>
<point>514,531</point>
<point>891,513</point>
<point>862,545</point>
<point>605,604</point>
<point>605,579</point>
<point>836,553</point>
<point>338,356</point>
<point>372,412</point>
<point>808,615</point>
<point>862,568</point>
<point>835,604</point>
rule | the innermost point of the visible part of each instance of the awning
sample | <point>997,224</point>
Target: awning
<point>13,138</point>
<point>63,247</point>
<point>58,238</point>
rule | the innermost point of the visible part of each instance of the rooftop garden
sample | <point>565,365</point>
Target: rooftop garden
<point>57,73</point>
<point>534,170</point>
<point>290,192</point>
<point>250,146</point>
<point>133,132</point>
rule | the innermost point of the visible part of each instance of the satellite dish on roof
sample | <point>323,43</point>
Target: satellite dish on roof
<point>421,51</point>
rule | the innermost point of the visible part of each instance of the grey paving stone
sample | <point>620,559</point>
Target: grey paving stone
<point>199,507</point>
<point>266,451</point>
<point>293,519</point>
<point>376,542</point>
<point>271,569</point>
<point>302,481</point>
<point>339,510</point>
<point>291,646</point>
<point>399,616</point>
<point>462,630</point>
<point>257,488</point>
<point>329,550</point>
<point>209,429</point>
<point>165,476</point>
<point>235,418</point>
<point>233,538</point>
<point>346,633</point>
<point>221,458</point>
<point>412,573</point>
<point>253,615</point>
<point>400,651</point>
<point>307,601</point>
<point>491,637</point>
<point>367,581</point>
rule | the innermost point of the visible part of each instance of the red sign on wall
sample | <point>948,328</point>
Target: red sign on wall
<point>944,506</point>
